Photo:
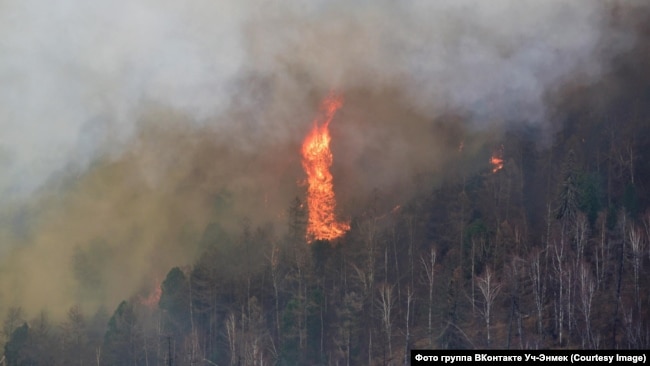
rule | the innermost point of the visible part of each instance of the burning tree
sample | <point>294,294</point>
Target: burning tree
<point>317,159</point>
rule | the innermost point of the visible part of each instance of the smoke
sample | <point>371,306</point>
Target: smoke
<point>123,123</point>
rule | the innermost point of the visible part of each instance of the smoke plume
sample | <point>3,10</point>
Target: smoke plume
<point>127,127</point>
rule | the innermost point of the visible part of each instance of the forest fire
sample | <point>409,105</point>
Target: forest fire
<point>316,161</point>
<point>151,301</point>
<point>497,160</point>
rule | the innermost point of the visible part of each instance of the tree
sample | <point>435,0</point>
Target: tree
<point>348,314</point>
<point>587,291</point>
<point>538,283</point>
<point>428,263</point>
<point>43,347</point>
<point>74,339</point>
<point>366,273</point>
<point>274,260</point>
<point>254,342</point>
<point>122,341</point>
<point>489,289</point>
<point>407,336</point>
<point>17,348</point>
<point>559,254</point>
<point>514,279</point>
<point>175,301</point>
<point>294,317</point>
<point>636,253</point>
<point>97,327</point>
<point>581,232</point>
<point>13,320</point>
<point>233,338</point>
<point>385,304</point>
<point>569,193</point>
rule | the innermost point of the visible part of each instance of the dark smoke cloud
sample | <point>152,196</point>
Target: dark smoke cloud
<point>124,122</point>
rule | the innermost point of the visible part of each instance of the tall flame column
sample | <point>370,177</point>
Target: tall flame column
<point>316,161</point>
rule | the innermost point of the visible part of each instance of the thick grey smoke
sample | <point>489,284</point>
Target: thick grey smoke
<point>107,108</point>
<point>76,74</point>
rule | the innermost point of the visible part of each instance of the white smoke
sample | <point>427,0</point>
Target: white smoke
<point>76,74</point>
<point>192,100</point>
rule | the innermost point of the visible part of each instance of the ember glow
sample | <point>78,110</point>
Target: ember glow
<point>316,160</point>
<point>497,160</point>
<point>152,300</point>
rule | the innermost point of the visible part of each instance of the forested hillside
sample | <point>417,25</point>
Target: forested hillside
<point>549,250</point>
<point>516,234</point>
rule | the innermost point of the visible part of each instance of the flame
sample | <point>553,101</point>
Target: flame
<point>497,160</point>
<point>316,161</point>
<point>153,299</point>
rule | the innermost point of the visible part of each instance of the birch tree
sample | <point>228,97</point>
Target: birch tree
<point>637,247</point>
<point>537,279</point>
<point>489,289</point>
<point>428,264</point>
<point>587,291</point>
<point>385,303</point>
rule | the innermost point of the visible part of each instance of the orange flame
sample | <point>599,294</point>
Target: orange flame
<point>497,160</point>
<point>151,301</point>
<point>316,160</point>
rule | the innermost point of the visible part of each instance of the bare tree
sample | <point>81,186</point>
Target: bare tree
<point>428,264</point>
<point>275,278</point>
<point>625,156</point>
<point>385,303</point>
<point>411,230</point>
<point>369,229</point>
<point>489,289</point>
<point>637,248</point>
<point>231,332</point>
<point>395,241</point>
<point>73,337</point>
<point>636,336</point>
<point>603,249</point>
<point>407,338</point>
<point>348,314</point>
<point>646,226</point>
<point>581,235</point>
<point>559,255</point>
<point>536,276</point>
<point>620,256</point>
<point>255,337</point>
<point>587,291</point>
<point>42,347</point>
<point>570,294</point>
<point>481,245</point>
<point>514,279</point>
